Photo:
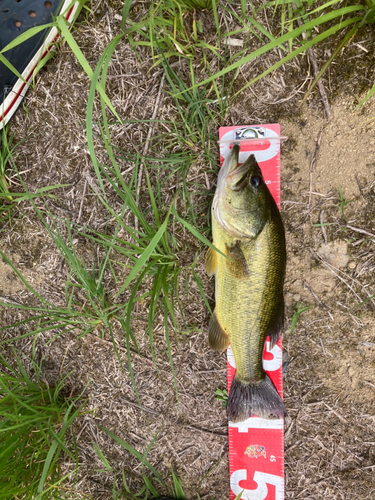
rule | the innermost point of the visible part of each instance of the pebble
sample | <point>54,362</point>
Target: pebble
<point>352,265</point>
<point>335,253</point>
<point>367,344</point>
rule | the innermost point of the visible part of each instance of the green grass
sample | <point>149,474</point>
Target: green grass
<point>139,262</point>
<point>35,434</point>
<point>299,309</point>
<point>167,32</point>
<point>152,247</point>
<point>6,157</point>
<point>154,484</point>
<point>342,204</point>
<point>198,114</point>
<point>303,24</point>
<point>7,200</point>
<point>9,177</point>
<point>318,16</point>
<point>222,395</point>
<point>195,4</point>
<point>149,252</point>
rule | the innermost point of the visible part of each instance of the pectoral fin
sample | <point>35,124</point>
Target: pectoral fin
<point>217,337</point>
<point>236,263</point>
<point>211,262</point>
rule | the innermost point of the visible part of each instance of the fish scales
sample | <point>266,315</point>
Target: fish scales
<point>244,305</point>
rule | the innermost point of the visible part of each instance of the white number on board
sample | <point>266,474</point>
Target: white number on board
<point>271,365</point>
<point>262,479</point>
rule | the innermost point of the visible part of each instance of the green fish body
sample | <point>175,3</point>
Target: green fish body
<point>247,228</point>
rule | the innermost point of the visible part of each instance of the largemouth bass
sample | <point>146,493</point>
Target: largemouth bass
<point>247,228</point>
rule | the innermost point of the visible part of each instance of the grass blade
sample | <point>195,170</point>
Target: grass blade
<point>133,451</point>
<point>145,255</point>
<point>285,38</point>
<point>62,24</point>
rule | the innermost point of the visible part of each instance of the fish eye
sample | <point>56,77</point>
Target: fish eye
<point>255,181</point>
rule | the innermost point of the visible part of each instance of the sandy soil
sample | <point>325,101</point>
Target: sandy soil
<point>330,385</point>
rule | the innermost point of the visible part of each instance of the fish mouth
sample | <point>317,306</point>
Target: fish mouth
<point>238,178</point>
<point>233,157</point>
<point>246,165</point>
<point>230,167</point>
<point>239,170</point>
<point>231,162</point>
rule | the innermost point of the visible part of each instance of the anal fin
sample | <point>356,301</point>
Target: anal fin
<point>275,328</point>
<point>217,337</point>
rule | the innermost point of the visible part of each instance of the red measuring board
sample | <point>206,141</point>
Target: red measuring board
<point>256,446</point>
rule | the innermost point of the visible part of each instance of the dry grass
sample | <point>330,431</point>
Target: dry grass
<point>329,388</point>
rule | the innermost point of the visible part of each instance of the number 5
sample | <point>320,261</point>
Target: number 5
<point>274,364</point>
<point>262,479</point>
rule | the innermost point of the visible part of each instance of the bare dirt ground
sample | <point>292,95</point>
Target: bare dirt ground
<point>330,384</point>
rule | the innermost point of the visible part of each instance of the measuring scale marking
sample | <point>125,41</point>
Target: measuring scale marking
<point>256,446</point>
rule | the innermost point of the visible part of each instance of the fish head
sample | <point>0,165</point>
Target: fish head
<point>241,203</point>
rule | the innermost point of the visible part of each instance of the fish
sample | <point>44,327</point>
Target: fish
<point>249,268</point>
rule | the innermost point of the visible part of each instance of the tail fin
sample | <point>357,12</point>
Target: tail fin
<point>248,400</point>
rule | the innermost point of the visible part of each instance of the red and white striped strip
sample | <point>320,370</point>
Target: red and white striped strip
<point>256,446</point>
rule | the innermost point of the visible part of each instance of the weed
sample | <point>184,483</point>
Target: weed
<point>153,483</point>
<point>195,4</point>
<point>343,202</point>
<point>6,156</point>
<point>299,309</point>
<point>222,395</point>
<point>8,170</point>
<point>151,252</point>
<point>369,299</point>
<point>35,421</point>
<point>197,112</point>
<point>165,31</point>
<point>315,17</point>
<point>152,246</point>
